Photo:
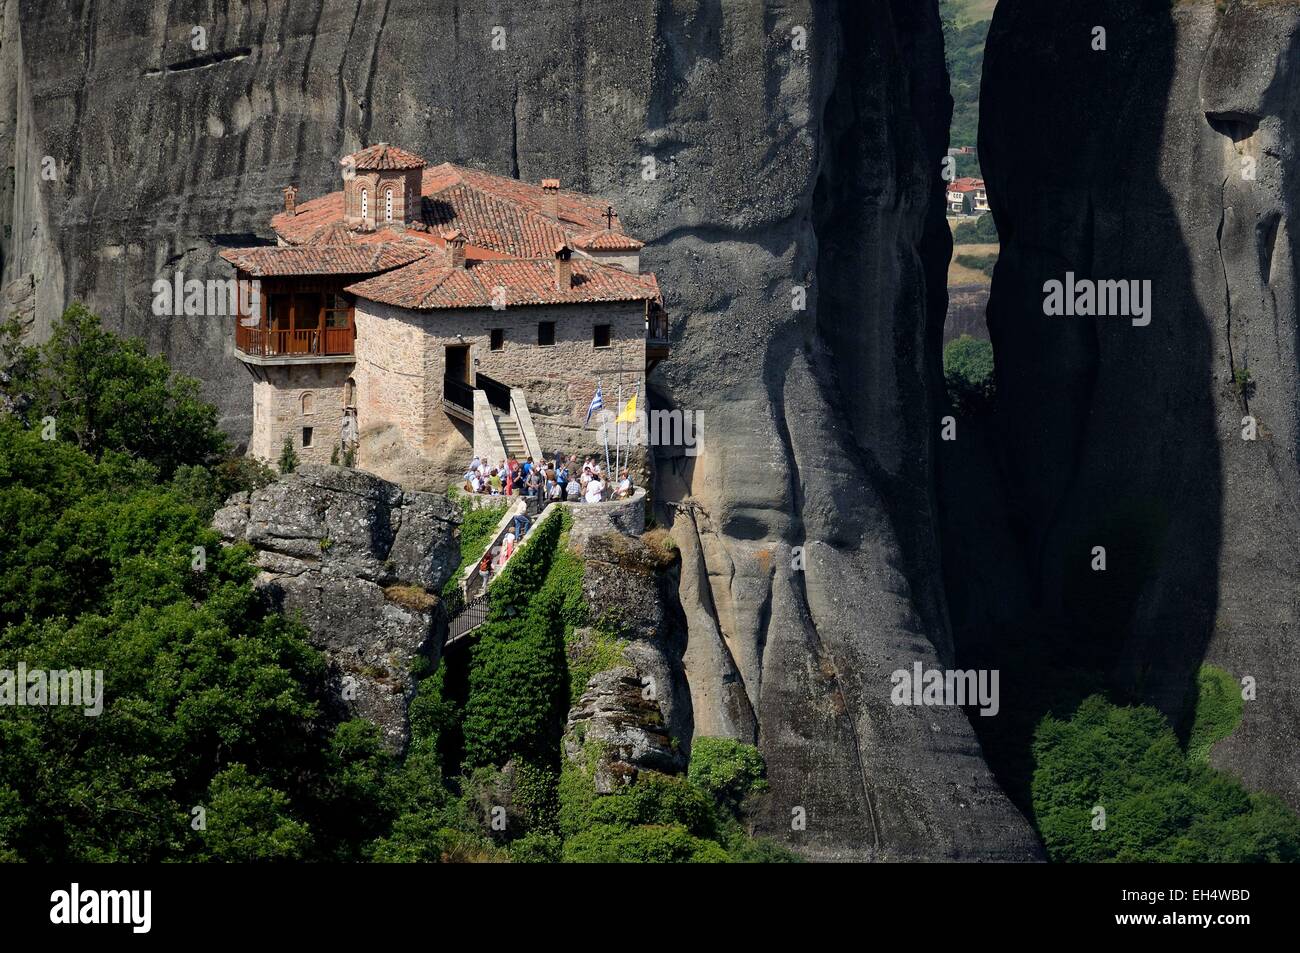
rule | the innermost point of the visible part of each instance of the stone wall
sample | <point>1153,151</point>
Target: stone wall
<point>278,409</point>
<point>401,362</point>
<point>615,516</point>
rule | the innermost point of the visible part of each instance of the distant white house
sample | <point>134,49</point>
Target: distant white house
<point>967,197</point>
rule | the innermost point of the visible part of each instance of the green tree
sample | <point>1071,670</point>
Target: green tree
<point>288,461</point>
<point>968,373</point>
<point>727,770</point>
<point>108,393</point>
<point>982,231</point>
<point>1160,805</point>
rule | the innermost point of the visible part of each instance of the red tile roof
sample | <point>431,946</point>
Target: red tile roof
<point>510,241</point>
<point>354,259</point>
<point>966,185</point>
<point>381,157</point>
<point>491,222</point>
<point>495,212</point>
<point>605,240</point>
<point>431,284</point>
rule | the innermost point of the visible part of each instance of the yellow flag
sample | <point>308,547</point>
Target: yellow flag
<point>629,412</point>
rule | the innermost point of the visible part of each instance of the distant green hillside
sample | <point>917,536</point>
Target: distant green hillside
<point>965,25</point>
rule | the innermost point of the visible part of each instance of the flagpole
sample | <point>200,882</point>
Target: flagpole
<point>604,432</point>
<point>618,433</point>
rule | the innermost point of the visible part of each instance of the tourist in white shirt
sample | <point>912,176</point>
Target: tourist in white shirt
<point>594,490</point>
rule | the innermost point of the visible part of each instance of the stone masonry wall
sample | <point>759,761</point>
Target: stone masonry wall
<point>278,410</point>
<point>401,360</point>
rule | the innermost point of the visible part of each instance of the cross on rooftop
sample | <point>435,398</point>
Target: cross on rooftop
<point>609,217</point>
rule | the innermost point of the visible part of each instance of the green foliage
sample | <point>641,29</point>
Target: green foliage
<point>198,676</point>
<point>599,653</point>
<point>727,770</point>
<point>612,844</point>
<point>660,818</point>
<point>518,685</point>
<point>210,700</point>
<point>249,821</point>
<point>968,373</point>
<point>964,52</point>
<point>288,461</point>
<point>1219,707</point>
<point>537,847</point>
<point>1243,382</point>
<point>476,530</point>
<point>1160,805</point>
<point>109,394</point>
<point>207,488</point>
<point>82,533</point>
<point>657,799</point>
<point>536,792</point>
<point>981,263</point>
<point>432,714</point>
<point>982,231</point>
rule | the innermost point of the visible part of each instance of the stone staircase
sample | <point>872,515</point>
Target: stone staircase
<point>511,437</point>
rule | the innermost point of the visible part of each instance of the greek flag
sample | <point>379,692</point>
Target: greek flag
<point>596,404</point>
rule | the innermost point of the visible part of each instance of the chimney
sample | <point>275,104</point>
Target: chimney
<point>455,242</point>
<point>563,267</point>
<point>291,200</point>
<point>551,198</point>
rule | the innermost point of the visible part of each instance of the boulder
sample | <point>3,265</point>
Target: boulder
<point>359,559</point>
<point>627,728</point>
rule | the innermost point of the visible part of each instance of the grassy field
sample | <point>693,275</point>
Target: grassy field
<point>973,11</point>
<point>961,275</point>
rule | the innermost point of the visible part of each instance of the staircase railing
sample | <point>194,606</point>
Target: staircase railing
<point>458,393</point>
<point>475,609</point>
<point>498,394</point>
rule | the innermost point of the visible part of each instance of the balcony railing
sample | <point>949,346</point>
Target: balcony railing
<point>656,327</point>
<point>312,342</point>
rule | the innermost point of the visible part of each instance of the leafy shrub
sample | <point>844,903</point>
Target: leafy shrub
<point>518,686</point>
<point>727,770</point>
<point>968,373</point>
<point>657,799</point>
<point>982,231</point>
<point>984,264</point>
<point>1219,707</point>
<point>288,461</point>
<point>537,847</point>
<point>1160,805</point>
<point>613,844</point>
<point>246,821</point>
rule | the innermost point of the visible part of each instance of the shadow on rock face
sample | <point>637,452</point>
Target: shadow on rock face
<point>1154,160</point>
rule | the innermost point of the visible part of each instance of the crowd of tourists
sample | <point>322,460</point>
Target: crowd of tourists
<point>559,480</point>
<point>555,481</point>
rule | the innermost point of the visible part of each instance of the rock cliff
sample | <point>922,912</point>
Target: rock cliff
<point>359,559</point>
<point>1169,156</point>
<point>792,220</point>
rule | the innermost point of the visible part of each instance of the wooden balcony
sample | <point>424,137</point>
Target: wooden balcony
<point>657,344</point>
<point>309,344</point>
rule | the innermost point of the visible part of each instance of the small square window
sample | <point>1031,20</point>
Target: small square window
<point>545,333</point>
<point>306,437</point>
<point>600,335</point>
<point>498,338</point>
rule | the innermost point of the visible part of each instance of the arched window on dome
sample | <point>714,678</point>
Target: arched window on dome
<point>388,205</point>
<point>365,203</point>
